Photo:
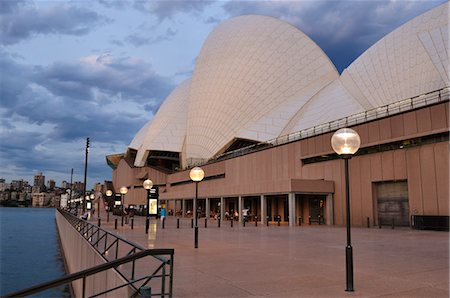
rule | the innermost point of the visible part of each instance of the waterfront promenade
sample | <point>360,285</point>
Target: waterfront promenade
<point>306,261</point>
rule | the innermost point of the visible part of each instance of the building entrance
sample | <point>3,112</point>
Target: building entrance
<point>316,209</point>
<point>392,204</point>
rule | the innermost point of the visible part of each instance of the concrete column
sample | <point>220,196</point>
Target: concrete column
<point>263,210</point>
<point>291,206</point>
<point>183,203</point>
<point>329,209</point>
<point>207,207</point>
<point>222,208</point>
<point>240,203</point>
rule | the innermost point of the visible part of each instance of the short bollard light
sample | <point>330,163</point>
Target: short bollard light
<point>256,221</point>
<point>178,223</point>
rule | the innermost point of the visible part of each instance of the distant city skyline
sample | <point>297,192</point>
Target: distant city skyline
<point>100,69</point>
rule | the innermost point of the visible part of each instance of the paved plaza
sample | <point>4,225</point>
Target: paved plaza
<point>305,261</point>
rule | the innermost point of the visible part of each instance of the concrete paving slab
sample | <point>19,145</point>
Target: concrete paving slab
<point>305,261</point>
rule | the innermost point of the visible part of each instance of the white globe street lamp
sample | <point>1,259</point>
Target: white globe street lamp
<point>147,184</point>
<point>346,142</point>
<point>197,175</point>
<point>123,191</point>
<point>109,193</point>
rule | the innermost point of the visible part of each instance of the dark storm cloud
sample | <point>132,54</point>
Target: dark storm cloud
<point>47,112</point>
<point>129,78</point>
<point>22,20</point>
<point>343,29</point>
<point>61,92</point>
<point>168,9</point>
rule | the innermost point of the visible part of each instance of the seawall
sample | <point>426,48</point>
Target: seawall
<point>80,255</point>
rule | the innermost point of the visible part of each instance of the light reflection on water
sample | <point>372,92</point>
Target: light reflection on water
<point>29,250</point>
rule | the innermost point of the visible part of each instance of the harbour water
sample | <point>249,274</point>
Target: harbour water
<point>29,250</point>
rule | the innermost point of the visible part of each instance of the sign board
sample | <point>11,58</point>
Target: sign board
<point>88,205</point>
<point>153,201</point>
<point>153,209</point>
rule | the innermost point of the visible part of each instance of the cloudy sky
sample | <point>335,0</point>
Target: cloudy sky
<point>100,69</point>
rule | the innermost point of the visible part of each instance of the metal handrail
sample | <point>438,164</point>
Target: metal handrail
<point>100,268</point>
<point>95,236</point>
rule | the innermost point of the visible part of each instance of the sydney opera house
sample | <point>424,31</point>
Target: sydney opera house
<point>258,114</point>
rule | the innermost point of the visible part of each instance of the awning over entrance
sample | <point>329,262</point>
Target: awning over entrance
<point>312,186</point>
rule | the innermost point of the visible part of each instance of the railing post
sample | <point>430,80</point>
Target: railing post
<point>115,224</point>
<point>163,281</point>
<point>145,291</point>
<point>84,287</point>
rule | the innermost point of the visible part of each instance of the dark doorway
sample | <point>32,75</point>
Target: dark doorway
<point>316,209</point>
<point>392,204</point>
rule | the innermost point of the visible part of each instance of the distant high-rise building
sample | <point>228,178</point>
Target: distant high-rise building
<point>65,184</point>
<point>17,184</point>
<point>3,185</point>
<point>39,180</point>
<point>51,184</point>
<point>99,187</point>
<point>78,186</point>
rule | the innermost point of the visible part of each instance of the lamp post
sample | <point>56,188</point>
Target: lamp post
<point>148,184</point>
<point>123,191</point>
<point>197,175</point>
<point>108,194</point>
<point>346,142</point>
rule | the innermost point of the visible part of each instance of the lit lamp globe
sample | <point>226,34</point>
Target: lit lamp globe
<point>92,196</point>
<point>345,142</point>
<point>108,193</point>
<point>197,174</point>
<point>123,190</point>
<point>148,184</point>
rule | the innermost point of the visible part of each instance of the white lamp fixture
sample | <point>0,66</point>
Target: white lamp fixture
<point>92,196</point>
<point>197,174</point>
<point>123,190</point>
<point>108,193</point>
<point>148,184</point>
<point>345,141</point>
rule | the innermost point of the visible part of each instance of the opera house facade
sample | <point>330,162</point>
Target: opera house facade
<point>258,114</point>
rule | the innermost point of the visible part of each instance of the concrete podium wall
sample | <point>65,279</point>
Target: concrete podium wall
<point>79,255</point>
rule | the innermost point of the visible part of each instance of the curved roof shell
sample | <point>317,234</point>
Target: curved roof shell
<point>258,78</point>
<point>248,67</point>
<point>167,130</point>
